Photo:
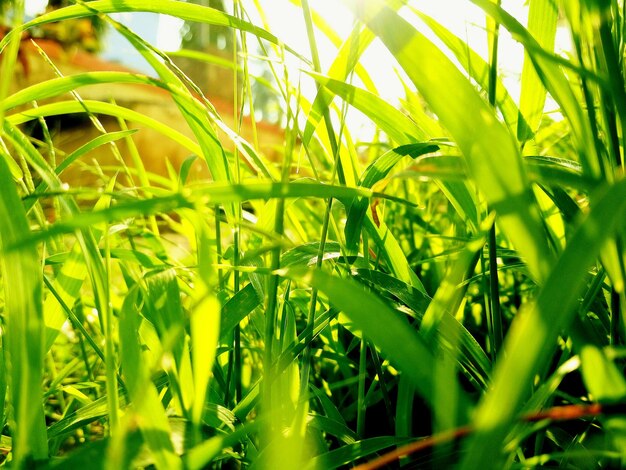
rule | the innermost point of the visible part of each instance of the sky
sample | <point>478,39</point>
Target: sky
<point>285,20</point>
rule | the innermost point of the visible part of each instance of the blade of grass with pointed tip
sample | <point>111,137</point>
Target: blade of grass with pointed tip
<point>198,117</point>
<point>345,63</point>
<point>392,121</point>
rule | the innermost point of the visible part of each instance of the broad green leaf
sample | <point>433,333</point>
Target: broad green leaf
<point>236,309</point>
<point>381,167</point>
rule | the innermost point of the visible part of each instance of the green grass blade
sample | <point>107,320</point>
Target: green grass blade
<point>22,280</point>
<point>393,122</point>
<point>59,86</point>
<point>375,172</point>
<point>199,197</point>
<point>197,116</point>
<point>470,354</point>
<point>542,21</point>
<point>352,452</point>
<point>548,68</point>
<point>97,107</point>
<point>144,396</point>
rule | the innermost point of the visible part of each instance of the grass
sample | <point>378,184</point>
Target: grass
<point>450,294</point>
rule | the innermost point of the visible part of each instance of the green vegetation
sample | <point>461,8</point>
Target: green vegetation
<point>460,277</point>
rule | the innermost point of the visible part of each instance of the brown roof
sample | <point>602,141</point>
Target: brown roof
<point>150,100</point>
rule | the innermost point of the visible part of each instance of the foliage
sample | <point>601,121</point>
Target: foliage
<point>459,277</point>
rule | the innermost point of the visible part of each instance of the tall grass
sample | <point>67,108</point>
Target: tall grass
<point>449,294</point>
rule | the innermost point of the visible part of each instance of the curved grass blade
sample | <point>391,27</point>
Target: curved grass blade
<point>547,66</point>
<point>197,199</point>
<point>393,122</point>
<point>98,107</point>
<point>58,86</point>
<point>550,171</point>
<point>471,355</point>
<point>378,170</point>
<point>88,147</point>
<point>352,452</point>
<point>199,118</point>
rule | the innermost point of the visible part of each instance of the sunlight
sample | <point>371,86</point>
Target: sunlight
<point>286,21</point>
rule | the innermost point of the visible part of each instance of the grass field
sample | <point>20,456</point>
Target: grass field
<point>449,293</point>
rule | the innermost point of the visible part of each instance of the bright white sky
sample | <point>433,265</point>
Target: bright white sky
<point>459,16</point>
